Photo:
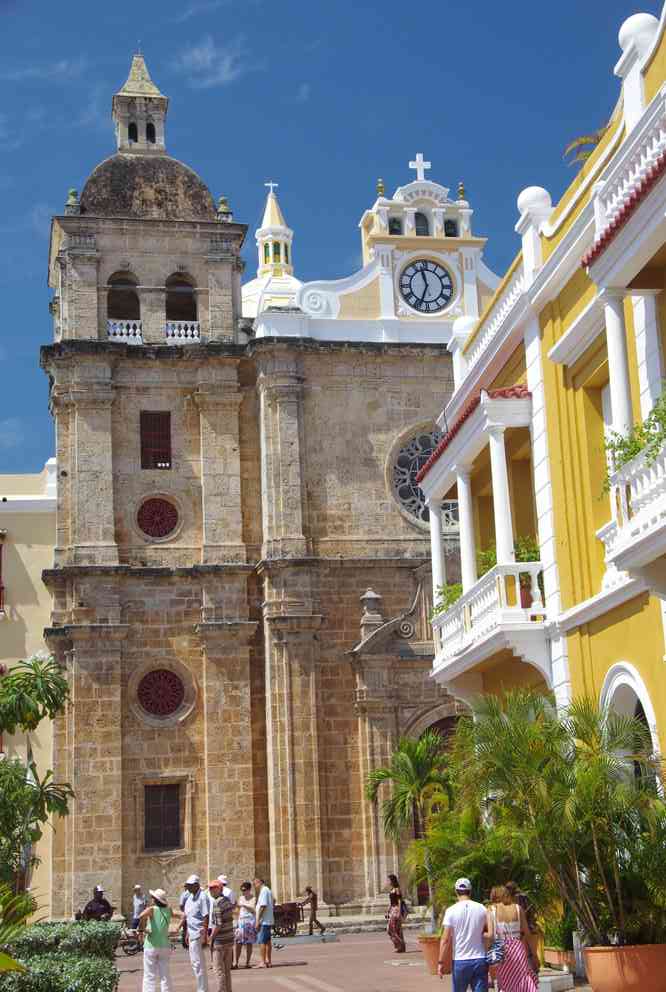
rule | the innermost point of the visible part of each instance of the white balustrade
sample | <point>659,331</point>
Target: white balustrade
<point>496,599</point>
<point>183,330</point>
<point>638,490</point>
<point>495,319</point>
<point>124,331</point>
<point>635,163</point>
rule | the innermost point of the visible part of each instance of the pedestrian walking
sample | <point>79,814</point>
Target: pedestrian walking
<point>312,900</point>
<point>155,921</point>
<point>221,935</point>
<point>139,903</point>
<point>507,923</point>
<point>394,915</point>
<point>465,927</point>
<point>226,889</point>
<point>265,921</point>
<point>195,922</point>
<point>246,927</point>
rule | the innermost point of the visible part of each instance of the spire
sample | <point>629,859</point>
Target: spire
<point>274,239</point>
<point>139,111</point>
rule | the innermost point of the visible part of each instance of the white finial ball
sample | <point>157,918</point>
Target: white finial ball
<point>534,198</point>
<point>464,325</point>
<point>639,28</point>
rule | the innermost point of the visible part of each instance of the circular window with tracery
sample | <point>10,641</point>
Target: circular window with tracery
<point>161,692</point>
<point>157,517</point>
<point>408,462</point>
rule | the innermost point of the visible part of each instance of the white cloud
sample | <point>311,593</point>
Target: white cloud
<point>303,93</point>
<point>209,64</point>
<point>194,9</point>
<point>63,69</point>
<point>11,433</point>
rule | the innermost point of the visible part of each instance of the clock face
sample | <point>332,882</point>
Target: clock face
<point>426,286</point>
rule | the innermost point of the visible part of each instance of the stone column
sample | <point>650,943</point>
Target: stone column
<point>153,314</point>
<point>618,360</point>
<point>501,497</point>
<point>292,731</point>
<point>221,310</point>
<point>82,320</point>
<point>222,537</point>
<point>436,547</point>
<point>227,757</point>
<point>466,523</point>
<point>95,824</point>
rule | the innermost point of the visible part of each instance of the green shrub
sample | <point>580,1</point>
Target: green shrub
<point>62,973</point>
<point>559,932</point>
<point>446,597</point>
<point>94,940</point>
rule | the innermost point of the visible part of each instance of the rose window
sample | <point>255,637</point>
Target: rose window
<point>409,461</point>
<point>161,692</point>
<point>157,517</point>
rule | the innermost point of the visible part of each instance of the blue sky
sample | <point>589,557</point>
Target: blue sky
<point>322,97</point>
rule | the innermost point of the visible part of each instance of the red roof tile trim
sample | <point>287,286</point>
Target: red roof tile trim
<point>652,176</point>
<point>519,392</point>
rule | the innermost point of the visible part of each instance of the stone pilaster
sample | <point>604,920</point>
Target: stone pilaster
<point>221,297</point>
<point>292,731</point>
<point>222,537</point>
<point>81,318</point>
<point>227,755</point>
<point>153,314</point>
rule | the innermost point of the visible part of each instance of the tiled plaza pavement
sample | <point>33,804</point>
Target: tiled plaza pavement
<point>355,963</point>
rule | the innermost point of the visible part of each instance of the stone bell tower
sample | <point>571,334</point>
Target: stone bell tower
<point>150,578</point>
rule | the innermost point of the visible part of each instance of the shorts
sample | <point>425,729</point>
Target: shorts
<point>264,934</point>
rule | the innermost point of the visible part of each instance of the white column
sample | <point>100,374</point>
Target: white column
<point>648,348</point>
<point>466,524</point>
<point>501,497</point>
<point>618,361</point>
<point>436,548</point>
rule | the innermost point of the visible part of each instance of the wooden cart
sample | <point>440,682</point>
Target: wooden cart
<point>287,917</point>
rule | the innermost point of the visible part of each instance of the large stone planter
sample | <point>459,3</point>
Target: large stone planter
<point>557,958</point>
<point>635,968</point>
<point>430,949</point>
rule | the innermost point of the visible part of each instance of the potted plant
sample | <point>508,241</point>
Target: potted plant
<point>527,549</point>
<point>581,785</point>
<point>429,945</point>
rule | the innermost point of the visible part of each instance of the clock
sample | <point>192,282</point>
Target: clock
<point>426,286</point>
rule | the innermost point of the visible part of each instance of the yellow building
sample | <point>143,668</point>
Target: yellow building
<point>566,355</point>
<point>27,538</point>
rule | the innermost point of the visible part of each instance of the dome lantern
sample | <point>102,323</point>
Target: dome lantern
<point>139,112</point>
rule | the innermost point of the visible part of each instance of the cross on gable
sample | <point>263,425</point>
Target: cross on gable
<point>271,185</point>
<point>420,166</point>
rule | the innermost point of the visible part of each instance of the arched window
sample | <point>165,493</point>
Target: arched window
<point>286,254</point>
<point>421,225</point>
<point>267,253</point>
<point>150,133</point>
<point>450,229</point>
<point>276,251</point>
<point>395,225</point>
<point>181,302</point>
<point>133,132</point>
<point>122,298</point>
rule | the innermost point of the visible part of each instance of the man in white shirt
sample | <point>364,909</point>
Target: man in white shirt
<point>265,921</point>
<point>464,928</point>
<point>195,921</point>
<point>227,891</point>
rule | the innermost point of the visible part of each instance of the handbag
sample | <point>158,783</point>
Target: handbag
<point>496,951</point>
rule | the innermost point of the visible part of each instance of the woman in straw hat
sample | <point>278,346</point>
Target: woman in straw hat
<point>155,921</point>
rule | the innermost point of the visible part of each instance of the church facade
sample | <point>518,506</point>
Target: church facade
<point>241,583</point>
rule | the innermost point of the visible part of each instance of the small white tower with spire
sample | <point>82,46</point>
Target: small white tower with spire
<point>275,285</point>
<point>139,112</point>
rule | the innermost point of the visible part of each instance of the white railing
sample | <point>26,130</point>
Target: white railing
<point>183,330</point>
<point>496,318</point>
<point>124,331</point>
<point>643,149</point>
<point>609,535</point>
<point>639,493</point>
<point>496,599</point>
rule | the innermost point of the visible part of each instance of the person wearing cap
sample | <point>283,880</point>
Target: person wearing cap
<point>222,935</point>
<point>464,929</point>
<point>195,922</point>
<point>98,908</point>
<point>139,903</point>
<point>227,890</point>
<point>155,921</point>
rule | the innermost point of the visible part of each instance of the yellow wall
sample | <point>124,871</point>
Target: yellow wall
<point>27,550</point>
<point>363,303</point>
<point>654,73</point>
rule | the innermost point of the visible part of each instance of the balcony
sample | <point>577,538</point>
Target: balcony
<point>639,535</point>
<point>183,331</point>
<point>503,610</point>
<point>124,331</point>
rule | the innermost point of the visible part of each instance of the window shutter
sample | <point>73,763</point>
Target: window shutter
<point>155,439</point>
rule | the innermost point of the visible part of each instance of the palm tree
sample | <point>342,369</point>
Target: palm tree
<point>420,783</point>
<point>584,145</point>
<point>14,910</point>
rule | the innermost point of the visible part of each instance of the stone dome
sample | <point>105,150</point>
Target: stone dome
<point>151,187</point>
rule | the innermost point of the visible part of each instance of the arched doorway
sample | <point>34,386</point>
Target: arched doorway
<point>626,693</point>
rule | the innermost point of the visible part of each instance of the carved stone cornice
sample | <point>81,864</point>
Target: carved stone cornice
<point>290,627</point>
<point>229,396</point>
<point>229,633</point>
<point>82,396</point>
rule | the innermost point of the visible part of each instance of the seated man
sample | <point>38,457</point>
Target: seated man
<point>98,908</point>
